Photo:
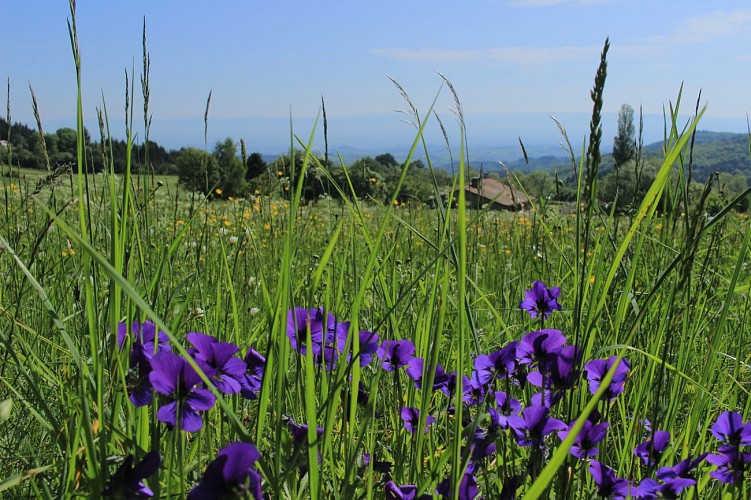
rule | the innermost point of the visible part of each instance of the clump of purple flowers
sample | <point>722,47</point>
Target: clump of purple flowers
<point>731,461</point>
<point>492,419</point>
<point>226,371</point>
<point>411,418</point>
<point>598,368</point>
<point>541,301</point>
<point>395,354</point>
<point>173,377</point>
<point>533,425</point>
<point>588,437</point>
<point>328,337</point>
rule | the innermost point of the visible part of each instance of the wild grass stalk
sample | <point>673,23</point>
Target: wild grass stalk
<point>665,292</point>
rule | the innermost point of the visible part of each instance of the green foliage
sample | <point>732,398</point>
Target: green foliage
<point>255,166</point>
<point>284,174</point>
<point>387,160</point>
<point>538,183</point>
<point>367,179</point>
<point>197,170</point>
<point>620,186</point>
<point>624,143</point>
<point>231,170</point>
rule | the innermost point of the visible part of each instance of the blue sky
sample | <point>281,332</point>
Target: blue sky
<point>512,62</point>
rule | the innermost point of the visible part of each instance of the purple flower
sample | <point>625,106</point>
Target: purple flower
<point>127,481</point>
<point>589,435</point>
<point>483,444</point>
<point>300,439</point>
<point>540,347</point>
<point>449,387</point>
<point>440,379</point>
<point>650,489</point>
<point>139,386</point>
<point>684,468</point>
<point>395,354</point>
<point>651,450</point>
<point>411,417</point>
<point>406,492</point>
<point>368,346</point>
<point>415,369</point>
<point>467,487</point>
<point>143,336</point>
<point>731,463</point>
<point>142,350</point>
<point>533,425</point>
<point>541,300</point>
<point>231,475</point>
<point>598,368</point>
<point>253,380</point>
<point>336,341</point>
<point>608,485</point>
<point>474,390</point>
<point>299,320</point>
<point>227,372</point>
<point>729,428</point>
<point>498,364</point>
<point>507,406</point>
<point>300,432</point>
<point>508,492</point>
<point>173,377</point>
<point>558,375</point>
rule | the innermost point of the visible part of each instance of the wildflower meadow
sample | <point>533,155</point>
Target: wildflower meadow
<point>157,343</point>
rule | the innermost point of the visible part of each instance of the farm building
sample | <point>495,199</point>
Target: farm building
<point>482,191</point>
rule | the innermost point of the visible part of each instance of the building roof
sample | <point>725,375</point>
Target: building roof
<point>496,191</point>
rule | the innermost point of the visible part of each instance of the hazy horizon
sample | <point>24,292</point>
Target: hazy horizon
<point>513,63</point>
<point>373,134</point>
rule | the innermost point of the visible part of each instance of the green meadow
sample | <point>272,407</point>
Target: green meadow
<point>313,315</point>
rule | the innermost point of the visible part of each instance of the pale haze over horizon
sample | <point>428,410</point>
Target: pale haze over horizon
<point>513,64</point>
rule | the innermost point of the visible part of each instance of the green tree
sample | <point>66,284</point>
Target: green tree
<point>315,184</point>
<point>387,160</point>
<point>197,170</point>
<point>366,180</point>
<point>255,166</point>
<point>231,168</point>
<point>539,184</point>
<point>624,144</point>
<point>65,146</point>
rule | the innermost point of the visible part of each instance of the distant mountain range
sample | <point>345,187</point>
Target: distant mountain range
<point>712,152</point>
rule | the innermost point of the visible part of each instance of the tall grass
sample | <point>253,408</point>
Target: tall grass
<point>81,254</point>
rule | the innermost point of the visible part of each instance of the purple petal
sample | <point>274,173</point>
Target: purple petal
<point>122,332</point>
<point>368,346</point>
<point>223,352</point>
<point>240,459</point>
<point>191,420</point>
<point>166,369</point>
<point>200,399</point>
<point>168,413</point>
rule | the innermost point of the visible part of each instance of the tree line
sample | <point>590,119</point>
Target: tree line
<point>625,175</point>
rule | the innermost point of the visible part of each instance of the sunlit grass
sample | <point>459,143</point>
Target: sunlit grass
<point>81,253</point>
